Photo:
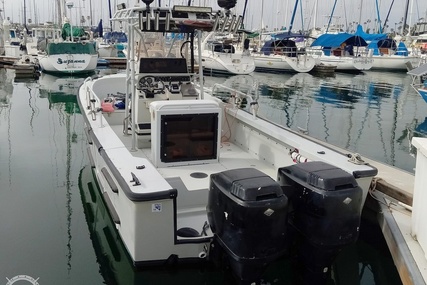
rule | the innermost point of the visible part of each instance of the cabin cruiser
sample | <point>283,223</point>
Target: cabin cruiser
<point>193,174</point>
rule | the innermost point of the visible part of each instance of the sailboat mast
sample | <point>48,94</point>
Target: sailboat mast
<point>410,16</point>
<point>360,14</point>
<point>293,16</point>
<point>332,14</point>
<point>378,17</point>
<point>90,13</point>
<point>315,13</point>
<point>60,11</point>
<point>110,14</point>
<point>25,14</point>
<point>262,24</point>
<point>405,17</point>
<point>388,14</point>
<point>244,12</point>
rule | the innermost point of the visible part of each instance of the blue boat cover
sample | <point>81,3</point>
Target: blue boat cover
<point>368,37</point>
<point>288,47</point>
<point>336,40</point>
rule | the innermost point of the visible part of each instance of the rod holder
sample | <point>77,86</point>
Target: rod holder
<point>156,20</point>
<point>167,21</point>
<point>238,24</point>
<point>148,20</point>
<point>224,24</point>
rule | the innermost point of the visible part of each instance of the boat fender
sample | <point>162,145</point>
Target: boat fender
<point>297,157</point>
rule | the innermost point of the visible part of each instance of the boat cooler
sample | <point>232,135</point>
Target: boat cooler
<point>247,212</point>
<point>325,205</point>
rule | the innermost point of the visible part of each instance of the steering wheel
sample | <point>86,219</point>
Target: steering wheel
<point>150,85</point>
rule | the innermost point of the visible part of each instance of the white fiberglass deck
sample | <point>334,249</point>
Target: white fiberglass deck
<point>231,157</point>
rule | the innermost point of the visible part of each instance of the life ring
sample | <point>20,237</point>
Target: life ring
<point>202,25</point>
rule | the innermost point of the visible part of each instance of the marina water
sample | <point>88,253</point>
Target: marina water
<point>48,233</point>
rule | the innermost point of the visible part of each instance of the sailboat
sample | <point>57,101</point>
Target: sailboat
<point>279,52</point>
<point>75,53</point>
<point>345,51</point>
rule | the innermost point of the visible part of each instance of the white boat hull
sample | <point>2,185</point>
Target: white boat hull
<point>68,63</point>
<point>301,63</point>
<point>395,62</point>
<point>344,63</point>
<point>227,63</point>
<point>169,198</point>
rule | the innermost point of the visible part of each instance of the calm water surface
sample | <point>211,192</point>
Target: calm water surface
<point>50,222</point>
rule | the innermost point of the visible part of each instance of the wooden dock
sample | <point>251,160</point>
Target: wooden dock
<point>117,62</point>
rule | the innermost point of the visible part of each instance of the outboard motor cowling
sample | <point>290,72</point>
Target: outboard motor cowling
<point>325,205</point>
<point>247,212</point>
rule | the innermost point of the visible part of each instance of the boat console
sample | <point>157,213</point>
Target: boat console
<point>160,79</point>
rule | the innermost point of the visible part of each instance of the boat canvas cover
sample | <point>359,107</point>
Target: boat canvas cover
<point>336,40</point>
<point>289,46</point>
<point>66,31</point>
<point>419,71</point>
<point>368,37</point>
<point>70,48</point>
<point>376,45</point>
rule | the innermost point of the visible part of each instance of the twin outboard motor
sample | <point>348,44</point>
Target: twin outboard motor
<point>247,213</point>
<point>311,213</point>
<point>325,205</point>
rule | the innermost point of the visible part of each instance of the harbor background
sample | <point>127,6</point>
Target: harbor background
<point>44,232</point>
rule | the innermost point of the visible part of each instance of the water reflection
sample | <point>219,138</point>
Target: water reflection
<point>42,145</point>
<point>368,113</point>
<point>61,93</point>
<point>5,109</point>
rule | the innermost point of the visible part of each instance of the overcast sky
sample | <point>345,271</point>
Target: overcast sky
<point>276,13</point>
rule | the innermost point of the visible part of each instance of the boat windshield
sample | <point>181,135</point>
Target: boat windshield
<point>162,65</point>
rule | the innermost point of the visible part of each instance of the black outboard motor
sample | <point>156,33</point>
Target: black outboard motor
<point>325,205</point>
<point>247,212</point>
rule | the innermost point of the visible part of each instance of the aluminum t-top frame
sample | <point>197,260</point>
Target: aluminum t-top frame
<point>179,19</point>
